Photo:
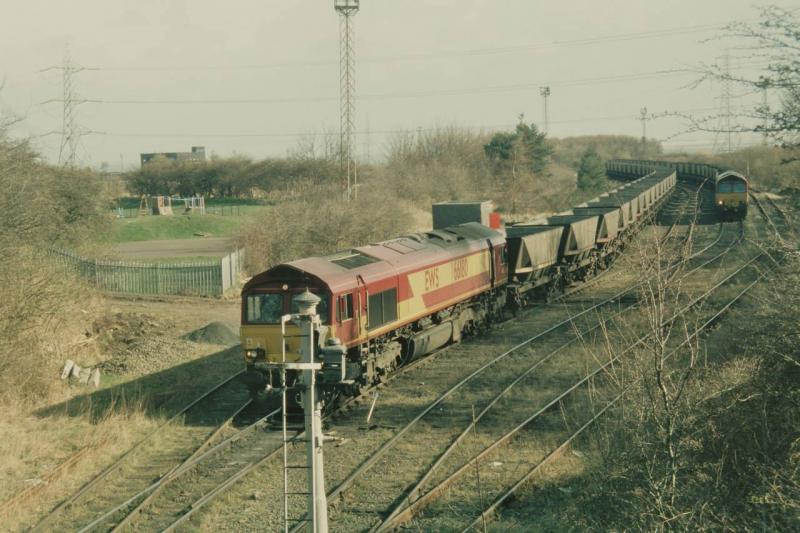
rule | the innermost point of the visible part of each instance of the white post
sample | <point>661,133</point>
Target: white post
<point>306,319</point>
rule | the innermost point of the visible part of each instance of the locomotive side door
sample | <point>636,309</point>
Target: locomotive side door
<point>361,297</point>
<point>492,262</point>
<point>498,259</point>
<point>347,316</point>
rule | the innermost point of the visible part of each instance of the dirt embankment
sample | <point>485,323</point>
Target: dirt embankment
<point>141,343</point>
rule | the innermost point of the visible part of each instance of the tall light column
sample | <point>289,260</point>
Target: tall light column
<point>347,101</point>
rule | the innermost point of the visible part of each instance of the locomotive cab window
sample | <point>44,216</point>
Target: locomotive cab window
<point>264,308</point>
<point>731,186</point>
<point>345,307</point>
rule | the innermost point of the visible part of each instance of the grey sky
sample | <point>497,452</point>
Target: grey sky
<point>474,63</point>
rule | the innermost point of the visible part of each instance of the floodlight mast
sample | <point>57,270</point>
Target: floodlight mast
<point>347,75</point>
<point>545,92</point>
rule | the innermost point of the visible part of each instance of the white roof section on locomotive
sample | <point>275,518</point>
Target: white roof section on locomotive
<point>730,174</point>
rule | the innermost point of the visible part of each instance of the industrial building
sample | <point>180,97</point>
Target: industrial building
<point>198,153</point>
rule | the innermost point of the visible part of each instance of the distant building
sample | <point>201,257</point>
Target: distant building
<point>198,153</point>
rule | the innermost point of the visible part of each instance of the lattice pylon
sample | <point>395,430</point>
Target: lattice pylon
<point>725,122</point>
<point>347,74</point>
<point>67,154</point>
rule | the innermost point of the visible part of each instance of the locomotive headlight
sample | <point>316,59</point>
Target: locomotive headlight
<point>719,202</point>
<point>250,355</point>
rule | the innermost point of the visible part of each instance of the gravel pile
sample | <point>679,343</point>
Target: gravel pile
<point>137,343</point>
<point>213,333</point>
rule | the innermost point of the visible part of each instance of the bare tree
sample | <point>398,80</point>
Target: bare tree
<point>775,41</point>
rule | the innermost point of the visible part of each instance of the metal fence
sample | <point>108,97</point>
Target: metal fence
<point>210,278</point>
<point>220,210</point>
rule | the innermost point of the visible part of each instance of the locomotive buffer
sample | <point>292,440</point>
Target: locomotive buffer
<point>307,320</point>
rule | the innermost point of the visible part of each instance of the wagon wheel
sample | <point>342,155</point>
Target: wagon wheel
<point>591,270</point>
<point>554,290</point>
<point>330,398</point>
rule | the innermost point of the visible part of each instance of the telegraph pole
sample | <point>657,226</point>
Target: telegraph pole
<point>545,93</point>
<point>367,143</point>
<point>643,118</point>
<point>347,73</point>
<point>764,107</point>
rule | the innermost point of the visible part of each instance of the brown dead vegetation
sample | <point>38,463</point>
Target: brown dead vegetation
<point>420,168</point>
<point>42,310</point>
<point>706,440</point>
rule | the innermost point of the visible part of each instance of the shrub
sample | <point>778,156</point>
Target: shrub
<point>320,224</point>
<point>42,207</point>
<point>591,172</point>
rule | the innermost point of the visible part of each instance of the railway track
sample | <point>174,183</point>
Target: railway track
<point>156,455</point>
<point>362,509</point>
<point>673,212</point>
<point>50,476</point>
<point>500,430</point>
<point>758,274</point>
<point>201,477</point>
<point>785,220</point>
<point>246,469</point>
<point>440,430</point>
<point>177,501</point>
<point>560,446</point>
<point>429,411</point>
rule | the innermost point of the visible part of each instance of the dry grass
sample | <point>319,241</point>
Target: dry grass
<point>737,435</point>
<point>33,447</point>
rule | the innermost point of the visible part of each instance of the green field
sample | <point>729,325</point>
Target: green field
<point>174,227</point>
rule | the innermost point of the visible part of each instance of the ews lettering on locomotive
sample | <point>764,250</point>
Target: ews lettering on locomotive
<point>460,268</point>
<point>432,279</point>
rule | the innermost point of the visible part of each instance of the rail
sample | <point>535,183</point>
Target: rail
<point>567,322</point>
<point>88,486</point>
<point>399,514</point>
<point>495,505</point>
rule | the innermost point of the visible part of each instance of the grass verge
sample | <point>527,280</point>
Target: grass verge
<point>176,227</point>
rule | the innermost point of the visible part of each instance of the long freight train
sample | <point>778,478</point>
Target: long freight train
<point>731,189</point>
<point>387,303</point>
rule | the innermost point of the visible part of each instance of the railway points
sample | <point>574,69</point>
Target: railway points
<point>547,352</point>
<point>757,275</point>
<point>355,452</point>
<point>201,472</point>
